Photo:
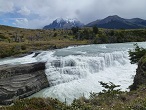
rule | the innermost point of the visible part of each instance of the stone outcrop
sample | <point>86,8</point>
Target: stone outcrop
<point>20,81</point>
<point>140,77</point>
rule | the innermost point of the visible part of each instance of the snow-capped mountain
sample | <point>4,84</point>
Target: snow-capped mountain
<point>61,23</point>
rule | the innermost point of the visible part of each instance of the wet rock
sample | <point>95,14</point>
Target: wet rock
<point>36,54</point>
<point>20,81</point>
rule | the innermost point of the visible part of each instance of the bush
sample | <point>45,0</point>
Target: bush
<point>95,30</point>
<point>2,37</point>
<point>23,47</point>
<point>110,89</point>
<point>136,54</point>
<point>55,34</point>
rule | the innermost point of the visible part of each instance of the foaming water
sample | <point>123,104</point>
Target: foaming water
<point>77,88</point>
<point>15,61</point>
<point>72,76</point>
<point>77,70</point>
<point>65,69</point>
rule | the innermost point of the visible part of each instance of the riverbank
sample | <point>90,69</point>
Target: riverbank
<point>17,49</point>
<point>16,41</point>
<point>106,100</point>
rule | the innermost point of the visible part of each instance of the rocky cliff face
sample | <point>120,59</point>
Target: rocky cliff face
<point>20,81</point>
<point>140,77</point>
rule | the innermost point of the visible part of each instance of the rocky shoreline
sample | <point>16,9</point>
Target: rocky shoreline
<point>20,81</point>
<point>23,80</point>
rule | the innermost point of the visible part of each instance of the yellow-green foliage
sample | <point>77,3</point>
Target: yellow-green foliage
<point>8,49</point>
<point>134,100</point>
<point>15,41</point>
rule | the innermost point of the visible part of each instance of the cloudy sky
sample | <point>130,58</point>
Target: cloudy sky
<point>37,13</point>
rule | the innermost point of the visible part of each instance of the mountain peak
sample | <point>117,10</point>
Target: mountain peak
<point>66,23</point>
<point>115,16</point>
<point>58,20</point>
<point>111,18</point>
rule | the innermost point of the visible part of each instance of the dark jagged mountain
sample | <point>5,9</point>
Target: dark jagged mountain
<point>92,23</point>
<point>116,22</point>
<point>61,23</point>
<point>138,21</point>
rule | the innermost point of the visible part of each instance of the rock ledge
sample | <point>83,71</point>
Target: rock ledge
<point>20,81</point>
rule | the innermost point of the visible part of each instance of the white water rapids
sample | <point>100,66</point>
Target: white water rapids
<point>75,71</point>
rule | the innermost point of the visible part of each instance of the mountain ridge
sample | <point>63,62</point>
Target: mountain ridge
<point>110,22</point>
<point>116,22</point>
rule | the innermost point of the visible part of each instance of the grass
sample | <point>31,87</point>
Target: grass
<point>15,41</point>
<point>134,100</point>
<point>10,49</point>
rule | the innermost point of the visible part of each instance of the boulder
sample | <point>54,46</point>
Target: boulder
<point>20,81</point>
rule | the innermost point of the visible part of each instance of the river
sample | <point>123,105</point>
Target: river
<point>76,71</point>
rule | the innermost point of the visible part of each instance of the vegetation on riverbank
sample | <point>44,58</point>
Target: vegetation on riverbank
<point>14,41</point>
<point>113,100</point>
<point>108,99</point>
<point>9,49</point>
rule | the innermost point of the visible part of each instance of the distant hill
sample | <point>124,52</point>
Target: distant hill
<point>116,22</point>
<point>61,23</point>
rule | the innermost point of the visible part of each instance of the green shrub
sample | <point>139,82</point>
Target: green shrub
<point>23,47</point>
<point>136,54</point>
<point>2,37</point>
<point>110,88</point>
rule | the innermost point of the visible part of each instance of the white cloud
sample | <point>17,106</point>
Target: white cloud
<point>24,11</point>
<point>39,23</point>
<point>21,22</point>
<point>42,12</point>
<point>31,24</point>
<point>6,6</point>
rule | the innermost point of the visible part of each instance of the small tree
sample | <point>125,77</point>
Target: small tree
<point>111,33</point>
<point>95,30</point>
<point>109,89</point>
<point>136,54</point>
<point>55,34</point>
<point>102,38</point>
<point>75,29</point>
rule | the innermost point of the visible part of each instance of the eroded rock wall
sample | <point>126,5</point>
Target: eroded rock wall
<point>20,81</point>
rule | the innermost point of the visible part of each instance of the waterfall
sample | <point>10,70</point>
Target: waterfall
<point>71,76</point>
<point>69,68</point>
